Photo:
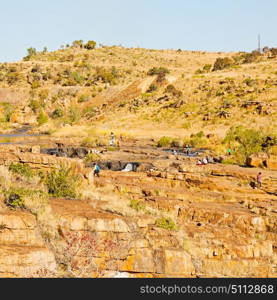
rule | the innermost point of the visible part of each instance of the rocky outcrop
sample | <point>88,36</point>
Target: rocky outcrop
<point>174,220</point>
<point>23,252</point>
<point>262,160</point>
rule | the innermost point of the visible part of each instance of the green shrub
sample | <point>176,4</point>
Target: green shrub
<point>74,115</point>
<point>207,67</point>
<point>31,53</point>
<point>83,98</point>
<point>137,205</point>
<point>35,105</point>
<point>197,140</point>
<point>166,223</point>
<point>187,125</point>
<point>107,76</point>
<point>14,77</point>
<point>200,134</point>
<point>172,90</point>
<point>222,63</point>
<point>8,110</point>
<point>89,112</point>
<point>14,198</point>
<point>153,87</point>
<point>110,148</point>
<point>57,113</point>
<point>165,141</point>
<point>251,57</point>
<point>62,183</point>
<point>248,141</point>
<point>90,45</point>
<point>91,157</point>
<point>21,169</point>
<point>35,84</point>
<point>42,118</point>
<point>158,71</point>
<point>90,142</point>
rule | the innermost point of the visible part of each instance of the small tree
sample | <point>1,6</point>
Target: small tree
<point>248,141</point>
<point>90,45</point>
<point>78,44</point>
<point>30,53</point>
<point>222,63</point>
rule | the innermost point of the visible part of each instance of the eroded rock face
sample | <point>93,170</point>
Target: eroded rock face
<point>179,220</point>
<point>23,252</point>
<point>31,155</point>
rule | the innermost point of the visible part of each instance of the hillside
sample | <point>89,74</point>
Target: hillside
<point>109,87</point>
<point>153,211</point>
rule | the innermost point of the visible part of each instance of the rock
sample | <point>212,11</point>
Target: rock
<point>178,263</point>
<point>272,163</point>
<point>141,260</point>
<point>35,149</point>
<point>257,160</point>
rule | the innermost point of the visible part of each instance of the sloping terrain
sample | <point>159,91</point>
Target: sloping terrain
<point>153,211</point>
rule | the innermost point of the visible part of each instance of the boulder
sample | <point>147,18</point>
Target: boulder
<point>258,160</point>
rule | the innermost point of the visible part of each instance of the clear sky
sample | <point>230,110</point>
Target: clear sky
<point>209,25</point>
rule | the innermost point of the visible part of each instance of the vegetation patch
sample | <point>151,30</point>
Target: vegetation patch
<point>63,183</point>
<point>166,223</point>
<point>21,169</point>
<point>137,205</point>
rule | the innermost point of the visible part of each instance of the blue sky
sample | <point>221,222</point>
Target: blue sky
<point>210,25</point>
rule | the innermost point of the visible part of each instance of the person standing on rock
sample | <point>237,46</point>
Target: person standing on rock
<point>112,139</point>
<point>259,180</point>
<point>187,150</point>
<point>96,170</point>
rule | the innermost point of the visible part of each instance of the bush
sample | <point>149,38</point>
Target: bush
<point>164,142</point>
<point>18,197</point>
<point>197,140</point>
<point>166,223</point>
<point>90,45</point>
<point>21,169</point>
<point>92,142</point>
<point>57,113</point>
<point>83,98</point>
<point>222,63</point>
<point>42,118</point>
<point>14,77</point>
<point>107,76</point>
<point>153,87</point>
<point>14,198</point>
<point>78,44</point>
<point>35,105</point>
<point>137,205</point>
<point>251,57</point>
<point>172,90</point>
<point>157,71</point>
<point>207,67</point>
<point>248,141</point>
<point>74,115</point>
<point>31,52</point>
<point>175,143</point>
<point>91,157</point>
<point>7,110</point>
<point>62,183</point>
